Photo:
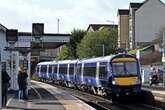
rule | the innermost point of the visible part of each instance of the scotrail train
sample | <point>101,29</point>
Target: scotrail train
<point>115,75</point>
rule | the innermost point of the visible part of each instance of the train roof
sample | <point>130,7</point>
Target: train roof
<point>91,60</point>
<point>98,59</point>
<point>58,62</point>
<point>105,58</point>
<point>45,63</point>
<point>67,61</point>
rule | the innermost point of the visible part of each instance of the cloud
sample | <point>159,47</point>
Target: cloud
<point>20,14</point>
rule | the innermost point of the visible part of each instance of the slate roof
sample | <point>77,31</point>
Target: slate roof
<point>136,5</point>
<point>3,27</point>
<point>123,12</point>
<point>96,27</point>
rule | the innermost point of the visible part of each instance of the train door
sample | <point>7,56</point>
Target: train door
<point>47,71</point>
<point>78,73</point>
<point>50,71</point>
<point>55,71</point>
<point>71,72</point>
<point>58,77</point>
<point>103,74</point>
<point>97,74</point>
<point>67,75</point>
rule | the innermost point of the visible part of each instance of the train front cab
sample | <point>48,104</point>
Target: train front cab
<point>125,79</point>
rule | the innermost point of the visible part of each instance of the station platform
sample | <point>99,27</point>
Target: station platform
<point>46,97</point>
<point>157,90</point>
<point>155,87</point>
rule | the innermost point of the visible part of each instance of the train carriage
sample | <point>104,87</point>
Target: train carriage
<point>42,70</point>
<point>72,68</point>
<point>54,71</point>
<point>125,77</point>
<point>94,71</point>
<point>115,75</point>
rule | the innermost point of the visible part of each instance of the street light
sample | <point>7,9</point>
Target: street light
<point>103,48</point>
<point>58,20</point>
<point>113,23</point>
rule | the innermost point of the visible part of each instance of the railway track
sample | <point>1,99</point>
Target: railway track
<point>101,103</point>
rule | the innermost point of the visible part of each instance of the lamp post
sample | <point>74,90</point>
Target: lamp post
<point>58,21</point>
<point>102,46</point>
<point>113,23</point>
<point>0,88</point>
<point>103,49</point>
<point>163,48</point>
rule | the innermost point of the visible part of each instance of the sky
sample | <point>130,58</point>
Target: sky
<point>72,14</point>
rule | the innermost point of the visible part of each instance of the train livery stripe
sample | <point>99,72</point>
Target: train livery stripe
<point>124,59</point>
<point>126,81</point>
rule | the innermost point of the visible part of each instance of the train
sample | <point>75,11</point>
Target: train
<point>114,75</point>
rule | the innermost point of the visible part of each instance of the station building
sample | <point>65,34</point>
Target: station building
<point>28,48</point>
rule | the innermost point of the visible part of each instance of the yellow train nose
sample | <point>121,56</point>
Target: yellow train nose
<point>128,81</point>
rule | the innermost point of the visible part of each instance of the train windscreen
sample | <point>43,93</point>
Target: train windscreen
<point>124,68</point>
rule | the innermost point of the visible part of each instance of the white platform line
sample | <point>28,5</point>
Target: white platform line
<point>152,107</point>
<point>37,92</point>
<point>8,102</point>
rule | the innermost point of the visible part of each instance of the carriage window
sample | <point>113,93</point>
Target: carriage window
<point>71,69</point>
<point>55,69</point>
<point>90,69</point>
<point>102,71</point>
<point>43,69</point>
<point>63,69</point>
<point>50,68</point>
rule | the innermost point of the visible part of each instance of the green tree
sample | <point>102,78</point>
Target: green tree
<point>94,43</point>
<point>69,50</point>
<point>64,53</point>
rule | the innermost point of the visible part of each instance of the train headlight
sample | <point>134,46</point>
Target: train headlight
<point>114,82</point>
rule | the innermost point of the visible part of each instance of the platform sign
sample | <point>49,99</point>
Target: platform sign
<point>11,35</point>
<point>37,29</point>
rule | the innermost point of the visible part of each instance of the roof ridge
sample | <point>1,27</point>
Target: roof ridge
<point>3,26</point>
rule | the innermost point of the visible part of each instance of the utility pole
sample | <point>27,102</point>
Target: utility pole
<point>58,20</point>
<point>113,24</point>
<point>163,56</point>
<point>103,49</point>
<point>163,44</point>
